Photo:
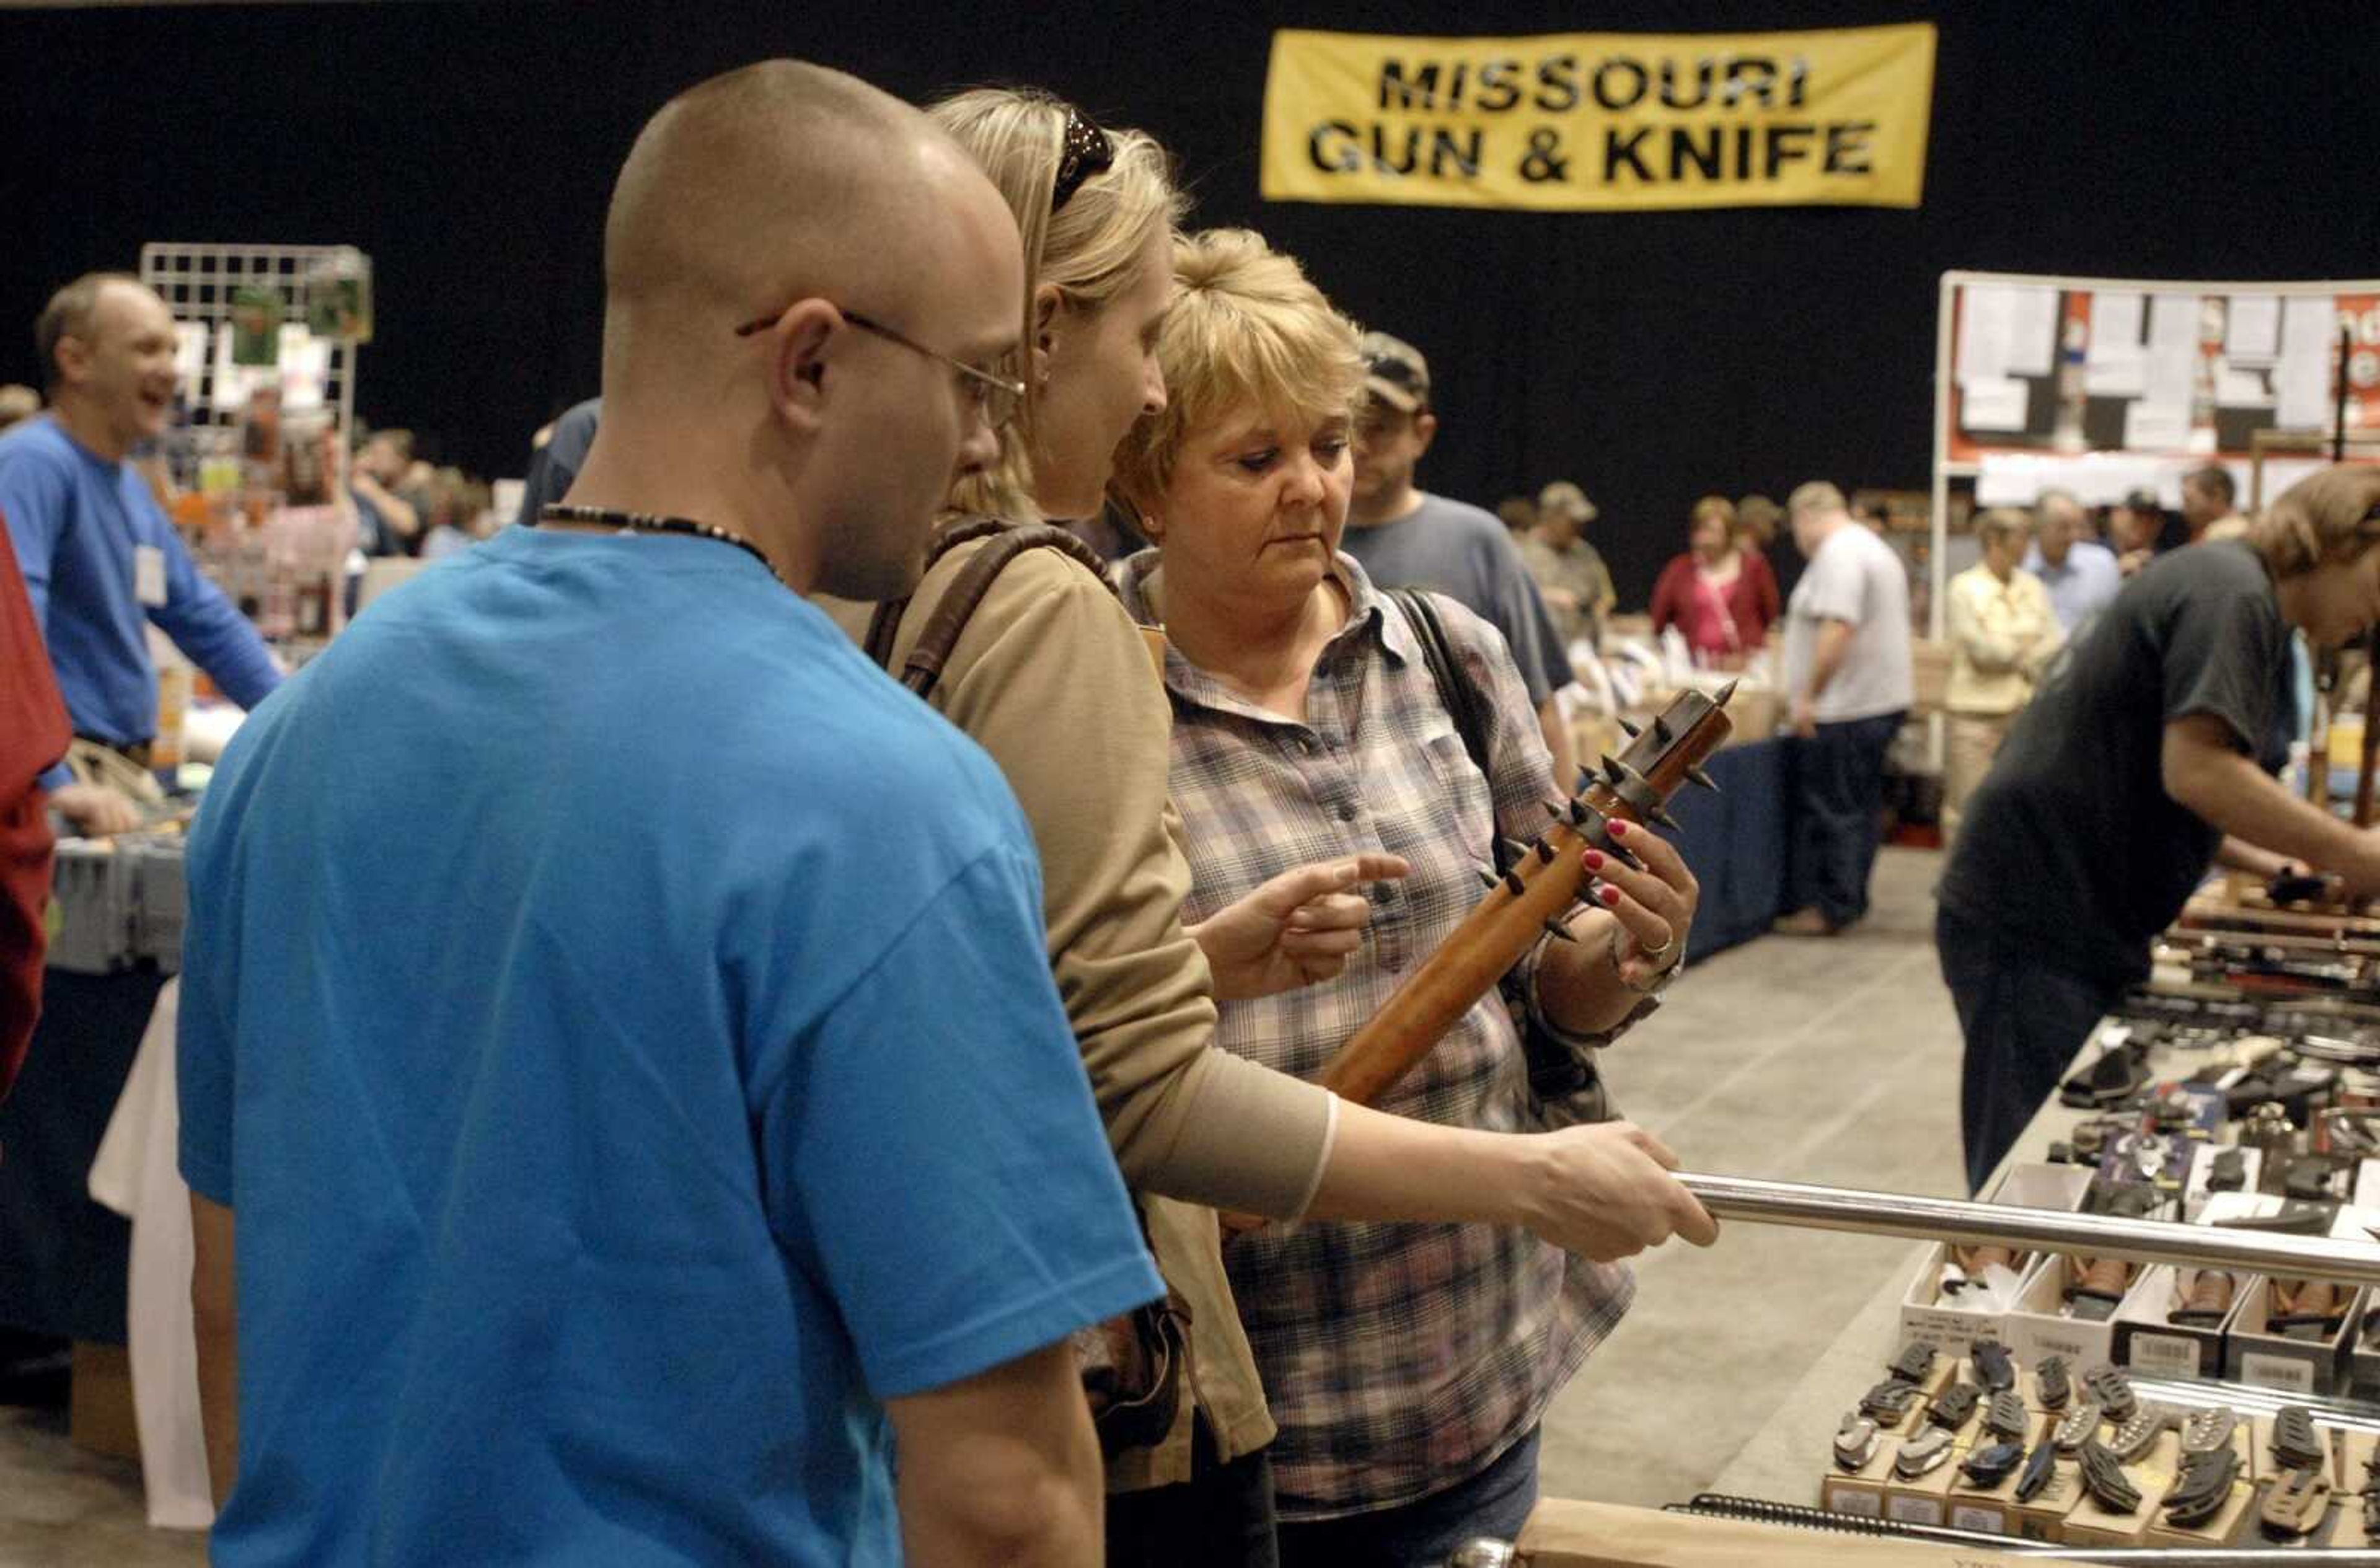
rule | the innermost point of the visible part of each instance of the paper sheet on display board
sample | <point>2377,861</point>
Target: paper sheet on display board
<point>190,360</point>
<point>303,374</point>
<point>2151,425</point>
<point>2006,330</point>
<point>2238,387</point>
<point>2170,362</point>
<point>2113,365</point>
<point>2104,478</point>
<point>1998,402</point>
<point>2252,331</point>
<point>2302,379</point>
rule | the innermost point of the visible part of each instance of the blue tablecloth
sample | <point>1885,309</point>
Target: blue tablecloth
<point>1737,841</point>
<point>62,1258</point>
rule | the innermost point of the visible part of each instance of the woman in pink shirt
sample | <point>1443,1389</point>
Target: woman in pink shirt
<point>1721,597</point>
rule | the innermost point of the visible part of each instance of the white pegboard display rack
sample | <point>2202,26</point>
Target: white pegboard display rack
<point>201,283</point>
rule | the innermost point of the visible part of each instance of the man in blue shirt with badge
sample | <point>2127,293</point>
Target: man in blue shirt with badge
<point>623,1090</point>
<point>99,558</point>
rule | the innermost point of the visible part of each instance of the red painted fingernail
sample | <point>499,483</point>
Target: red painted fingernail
<point>1609,896</point>
<point>1619,829</point>
<point>1595,860</point>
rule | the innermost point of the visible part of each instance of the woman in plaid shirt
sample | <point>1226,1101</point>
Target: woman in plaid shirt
<point>1407,1364</point>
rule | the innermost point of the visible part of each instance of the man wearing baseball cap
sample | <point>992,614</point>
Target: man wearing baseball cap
<point>1405,537</point>
<point>1571,577</point>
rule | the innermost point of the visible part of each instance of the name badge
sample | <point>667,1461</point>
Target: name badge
<point>148,575</point>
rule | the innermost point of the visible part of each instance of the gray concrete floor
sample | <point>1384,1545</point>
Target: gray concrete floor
<point>1831,1061</point>
<point>1796,1059</point>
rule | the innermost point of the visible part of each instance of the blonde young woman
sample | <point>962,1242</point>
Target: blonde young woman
<point>1407,1364</point>
<point>1054,679</point>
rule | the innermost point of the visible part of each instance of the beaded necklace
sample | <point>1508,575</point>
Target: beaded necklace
<point>647,522</point>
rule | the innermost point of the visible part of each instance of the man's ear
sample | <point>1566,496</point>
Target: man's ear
<point>801,346</point>
<point>73,354</point>
<point>1049,323</point>
<point>1425,431</point>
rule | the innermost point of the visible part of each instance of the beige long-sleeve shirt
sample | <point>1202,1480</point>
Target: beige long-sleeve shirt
<point>1052,678</point>
<point>2001,635</point>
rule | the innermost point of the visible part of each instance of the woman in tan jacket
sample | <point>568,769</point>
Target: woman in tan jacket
<point>1056,682</point>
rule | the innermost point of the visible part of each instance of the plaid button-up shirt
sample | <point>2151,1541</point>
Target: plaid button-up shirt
<point>1399,1359</point>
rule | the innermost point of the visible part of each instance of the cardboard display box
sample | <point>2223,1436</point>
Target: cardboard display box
<point>1924,1315</point>
<point>99,1401</point>
<point>2149,1343</point>
<point>2234,1516</point>
<point>2036,1329</point>
<point>2356,1452</point>
<point>1859,1491</point>
<point>2092,1524</point>
<point>2254,1355</point>
<point>1926,1501</point>
<point>2261,1463</point>
<point>2044,1519</point>
<point>1992,1509</point>
<point>2363,1365</point>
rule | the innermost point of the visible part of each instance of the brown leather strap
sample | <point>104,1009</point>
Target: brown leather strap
<point>940,635</point>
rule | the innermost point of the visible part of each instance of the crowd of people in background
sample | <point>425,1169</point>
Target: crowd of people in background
<point>406,505</point>
<point>1092,902</point>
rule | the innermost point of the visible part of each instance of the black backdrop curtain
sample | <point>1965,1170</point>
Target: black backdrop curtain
<point>1651,356</point>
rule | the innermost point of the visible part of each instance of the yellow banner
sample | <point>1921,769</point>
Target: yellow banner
<point>1601,121</point>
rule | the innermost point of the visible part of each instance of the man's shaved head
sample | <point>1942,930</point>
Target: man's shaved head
<point>758,188</point>
<point>798,203</point>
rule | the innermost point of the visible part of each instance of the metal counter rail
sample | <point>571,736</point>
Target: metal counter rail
<point>2096,1235</point>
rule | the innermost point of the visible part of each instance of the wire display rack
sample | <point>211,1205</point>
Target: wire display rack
<point>201,284</point>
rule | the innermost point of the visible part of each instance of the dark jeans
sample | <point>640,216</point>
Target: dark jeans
<point>2023,1019</point>
<point>1838,816</point>
<point>1221,1517</point>
<point>1494,1502</point>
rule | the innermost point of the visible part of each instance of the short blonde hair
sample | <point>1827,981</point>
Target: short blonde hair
<point>2000,524</point>
<point>1816,496</point>
<point>1246,326</point>
<point>1712,506</point>
<point>1091,247</point>
<point>2325,518</point>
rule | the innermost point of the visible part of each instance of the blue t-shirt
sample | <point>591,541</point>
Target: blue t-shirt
<point>619,1019</point>
<point>1467,554</point>
<point>78,523</point>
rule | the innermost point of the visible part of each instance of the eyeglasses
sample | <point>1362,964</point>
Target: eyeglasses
<point>995,397</point>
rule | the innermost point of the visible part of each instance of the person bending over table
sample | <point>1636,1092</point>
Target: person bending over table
<point>1407,1366</point>
<point>2148,752</point>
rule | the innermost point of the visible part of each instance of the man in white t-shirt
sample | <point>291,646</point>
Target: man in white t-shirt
<point>1847,672</point>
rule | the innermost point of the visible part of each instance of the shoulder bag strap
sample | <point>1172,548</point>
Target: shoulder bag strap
<point>940,635</point>
<point>1455,692</point>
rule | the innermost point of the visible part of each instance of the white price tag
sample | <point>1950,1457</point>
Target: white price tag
<point>1914,1510</point>
<point>2284,1372</point>
<point>1866,1503</point>
<point>1990,1521</point>
<point>2164,1354</point>
<point>148,575</point>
